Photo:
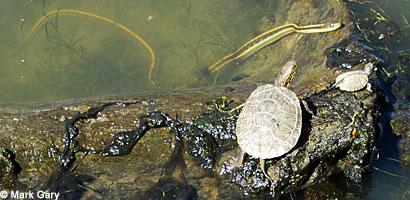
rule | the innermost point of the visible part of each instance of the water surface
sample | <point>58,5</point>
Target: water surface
<point>72,56</point>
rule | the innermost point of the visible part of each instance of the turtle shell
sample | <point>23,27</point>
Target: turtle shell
<point>270,123</point>
<point>352,81</point>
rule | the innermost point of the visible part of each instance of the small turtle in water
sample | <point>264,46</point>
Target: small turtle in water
<point>354,80</point>
<point>270,123</point>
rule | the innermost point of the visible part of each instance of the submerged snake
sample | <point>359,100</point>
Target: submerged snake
<point>246,50</point>
<point>269,37</point>
<point>59,12</point>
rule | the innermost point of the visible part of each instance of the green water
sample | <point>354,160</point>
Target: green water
<point>74,56</point>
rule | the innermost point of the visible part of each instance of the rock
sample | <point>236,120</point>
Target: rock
<point>338,139</point>
<point>400,125</point>
<point>9,169</point>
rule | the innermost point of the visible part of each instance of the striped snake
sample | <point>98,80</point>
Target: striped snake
<point>269,37</point>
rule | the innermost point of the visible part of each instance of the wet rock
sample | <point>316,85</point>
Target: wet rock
<point>210,134</point>
<point>348,54</point>
<point>9,169</point>
<point>398,88</point>
<point>338,140</point>
<point>167,189</point>
<point>340,188</point>
<point>400,126</point>
<point>329,145</point>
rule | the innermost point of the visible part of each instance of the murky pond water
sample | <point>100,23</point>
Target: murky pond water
<point>72,54</point>
<point>104,47</point>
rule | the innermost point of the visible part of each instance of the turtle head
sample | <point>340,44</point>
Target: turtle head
<point>368,68</point>
<point>286,75</point>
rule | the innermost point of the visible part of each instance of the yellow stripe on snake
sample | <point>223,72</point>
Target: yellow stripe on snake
<point>269,37</point>
<point>245,51</point>
<point>77,12</point>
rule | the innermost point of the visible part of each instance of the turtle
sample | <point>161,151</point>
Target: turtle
<point>270,122</point>
<point>354,80</point>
